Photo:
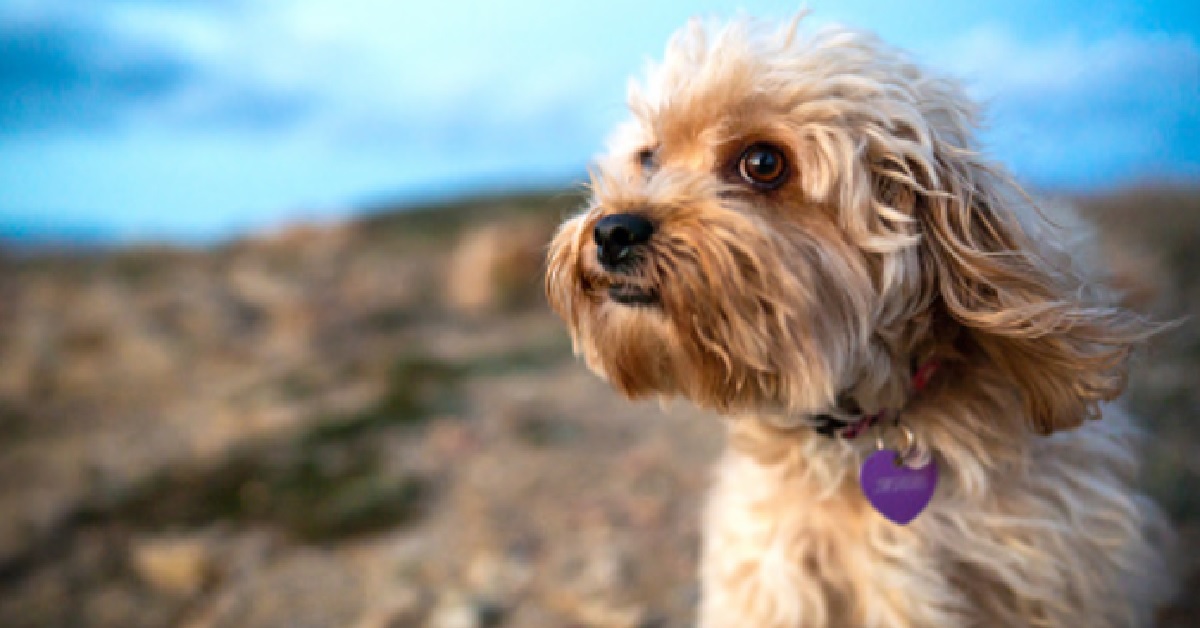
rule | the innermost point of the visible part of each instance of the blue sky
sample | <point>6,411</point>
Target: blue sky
<point>198,119</point>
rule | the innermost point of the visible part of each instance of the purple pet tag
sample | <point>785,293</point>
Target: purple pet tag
<point>896,491</point>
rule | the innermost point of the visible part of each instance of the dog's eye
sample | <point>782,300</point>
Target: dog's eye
<point>763,166</point>
<point>645,158</point>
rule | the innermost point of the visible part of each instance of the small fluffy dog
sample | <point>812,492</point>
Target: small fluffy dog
<point>799,233</point>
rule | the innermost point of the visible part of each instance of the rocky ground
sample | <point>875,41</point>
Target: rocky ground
<point>380,424</point>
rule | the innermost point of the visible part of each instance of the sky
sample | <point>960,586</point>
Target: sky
<point>196,120</point>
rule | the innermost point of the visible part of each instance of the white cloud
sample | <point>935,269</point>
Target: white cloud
<point>374,71</point>
<point>997,62</point>
<point>1077,111</point>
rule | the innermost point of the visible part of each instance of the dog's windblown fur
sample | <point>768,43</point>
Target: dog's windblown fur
<point>886,241</point>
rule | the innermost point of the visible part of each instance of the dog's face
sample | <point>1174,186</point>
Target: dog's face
<point>779,224</point>
<point>718,259</point>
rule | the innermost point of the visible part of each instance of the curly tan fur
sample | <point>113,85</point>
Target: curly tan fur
<point>891,242</point>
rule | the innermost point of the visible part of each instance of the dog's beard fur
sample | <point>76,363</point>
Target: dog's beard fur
<point>891,241</point>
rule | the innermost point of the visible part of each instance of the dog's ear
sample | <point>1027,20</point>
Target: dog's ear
<point>1025,312</point>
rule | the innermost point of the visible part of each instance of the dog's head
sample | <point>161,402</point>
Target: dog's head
<point>788,220</point>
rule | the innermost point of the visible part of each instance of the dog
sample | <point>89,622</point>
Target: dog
<point>799,232</point>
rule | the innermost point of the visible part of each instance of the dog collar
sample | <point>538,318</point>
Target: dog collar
<point>833,427</point>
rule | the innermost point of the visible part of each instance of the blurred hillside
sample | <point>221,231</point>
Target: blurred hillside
<point>380,424</point>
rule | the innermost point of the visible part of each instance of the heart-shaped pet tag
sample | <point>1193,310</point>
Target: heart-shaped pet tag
<point>895,490</point>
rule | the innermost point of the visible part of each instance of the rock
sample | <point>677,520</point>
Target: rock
<point>610,614</point>
<point>456,609</point>
<point>401,607</point>
<point>498,578</point>
<point>173,565</point>
<point>303,587</point>
<point>495,266</point>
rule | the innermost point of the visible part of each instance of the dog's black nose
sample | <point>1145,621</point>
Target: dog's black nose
<point>618,235</point>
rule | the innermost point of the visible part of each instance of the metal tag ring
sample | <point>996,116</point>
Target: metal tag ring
<point>910,440</point>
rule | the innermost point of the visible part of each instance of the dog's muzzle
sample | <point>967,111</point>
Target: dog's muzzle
<point>618,237</point>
